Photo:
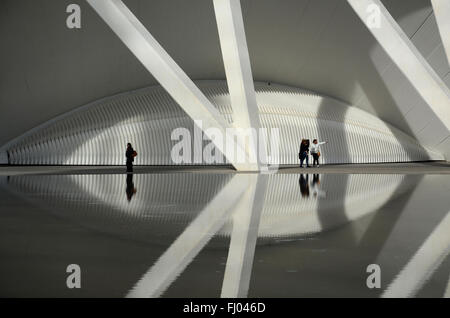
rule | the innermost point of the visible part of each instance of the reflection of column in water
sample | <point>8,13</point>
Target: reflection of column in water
<point>165,205</point>
<point>447,291</point>
<point>4,180</point>
<point>315,185</point>
<point>167,202</point>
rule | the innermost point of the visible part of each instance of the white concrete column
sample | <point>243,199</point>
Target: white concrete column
<point>165,70</point>
<point>238,71</point>
<point>441,10</point>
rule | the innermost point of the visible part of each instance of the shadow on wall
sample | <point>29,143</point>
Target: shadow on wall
<point>391,97</point>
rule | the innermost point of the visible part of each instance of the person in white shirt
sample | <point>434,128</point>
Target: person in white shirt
<point>315,150</point>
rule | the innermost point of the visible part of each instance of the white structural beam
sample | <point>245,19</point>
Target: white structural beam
<point>441,10</point>
<point>184,249</point>
<point>416,69</point>
<point>429,256</point>
<point>244,235</point>
<point>165,70</point>
<point>238,72</point>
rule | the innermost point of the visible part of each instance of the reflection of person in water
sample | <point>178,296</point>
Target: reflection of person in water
<point>304,185</point>
<point>131,190</point>
<point>315,187</point>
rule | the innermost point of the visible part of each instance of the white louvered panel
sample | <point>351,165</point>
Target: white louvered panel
<point>98,133</point>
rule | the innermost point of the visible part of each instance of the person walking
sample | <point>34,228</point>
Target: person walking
<point>315,151</point>
<point>130,154</point>
<point>303,153</point>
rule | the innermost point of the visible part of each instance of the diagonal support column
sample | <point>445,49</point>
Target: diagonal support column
<point>244,235</point>
<point>184,249</point>
<point>441,10</point>
<point>165,70</point>
<point>239,74</point>
<point>417,70</point>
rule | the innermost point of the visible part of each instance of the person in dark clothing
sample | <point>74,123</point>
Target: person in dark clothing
<point>303,153</point>
<point>130,154</point>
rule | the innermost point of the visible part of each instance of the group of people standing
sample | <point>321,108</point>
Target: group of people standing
<point>306,148</point>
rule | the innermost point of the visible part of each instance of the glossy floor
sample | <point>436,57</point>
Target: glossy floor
<point>212,235</point>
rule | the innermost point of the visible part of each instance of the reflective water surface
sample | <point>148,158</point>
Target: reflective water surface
<point>229,235</point>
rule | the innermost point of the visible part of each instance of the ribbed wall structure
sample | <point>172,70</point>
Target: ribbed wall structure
<point>164,204</point>
<point>96,134</point>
